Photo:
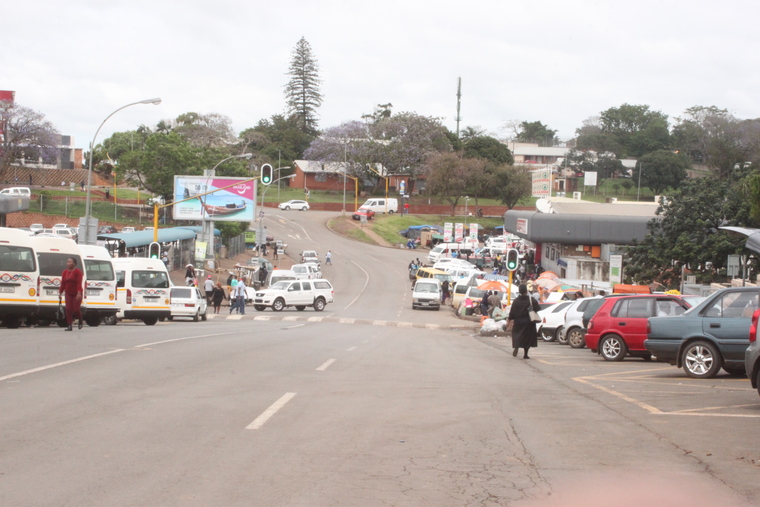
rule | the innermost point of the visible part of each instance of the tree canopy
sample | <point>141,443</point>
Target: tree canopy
<point>488,148</point>
<point>536,132</point>
<point>661,169</point>
<point>628,131</point>
<point>302,91</point>
<point>26,134</point>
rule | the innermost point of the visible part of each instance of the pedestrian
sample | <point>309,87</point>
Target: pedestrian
<point>523,328</point>
<point>71,287</point>
<point>30,180</point>
<point>406,208</point>
<point>275,255</point>
<point>494,302</point>
<point>217,296</point>
<point>108,194</point>
<point>484,303</point>
<point>444,291</point>
<point>328,258</point>
<point>263,273</point>
<point>165,260</point>
<point>240,296</point>
<point>82,185</point>
<point>208,287</point>
<point>190,275</point>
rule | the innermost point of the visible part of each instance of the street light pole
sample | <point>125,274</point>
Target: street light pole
<point>88,202</point>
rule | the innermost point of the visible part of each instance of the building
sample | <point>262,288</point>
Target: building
<point>575,238</point>
<point>315,175</point>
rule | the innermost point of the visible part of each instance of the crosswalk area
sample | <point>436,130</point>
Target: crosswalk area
<point>338,320</point>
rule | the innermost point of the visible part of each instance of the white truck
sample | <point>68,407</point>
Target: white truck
<point>298,293</point>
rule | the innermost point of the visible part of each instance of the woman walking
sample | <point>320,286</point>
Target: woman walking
<point>523,328</point>
<point>217,296</point>
<point>71,287</point>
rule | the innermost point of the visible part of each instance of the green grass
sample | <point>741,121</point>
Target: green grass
<point>121,193</point>
<point>387,226</point>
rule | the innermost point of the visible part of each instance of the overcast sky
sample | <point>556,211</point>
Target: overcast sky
<point>558,62</point>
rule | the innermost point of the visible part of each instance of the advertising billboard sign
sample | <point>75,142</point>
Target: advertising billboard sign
<point>234,204</point>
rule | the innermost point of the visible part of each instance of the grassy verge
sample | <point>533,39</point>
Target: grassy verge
<point>388,226</point>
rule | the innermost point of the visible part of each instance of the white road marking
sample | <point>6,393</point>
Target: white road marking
<point>326,365</point>
<point>182,339</point>
<point>346,320</point>
<point>234,317</point>
<point>262,317</point>
<point>315,319</point>
<point>349,349</point>
<point>297,325</point>
<point>290,319</point>
<point>56,365</point>
<point>366,282</point>
<point>264,417</point>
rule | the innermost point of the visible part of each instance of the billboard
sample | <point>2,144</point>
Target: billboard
<point>541,183</point>
<point>234,204</point>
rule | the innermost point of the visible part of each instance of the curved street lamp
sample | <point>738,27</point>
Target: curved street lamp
<point>88,202</point>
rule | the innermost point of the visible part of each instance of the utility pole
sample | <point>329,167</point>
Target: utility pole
<point>459,102</point>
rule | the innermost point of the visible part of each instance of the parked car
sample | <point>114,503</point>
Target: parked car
<point>363,212</point>
<point>17,191</point>
<point>310,256</point>
<point>188,302</point>
<point>573,329</point>
<point>107,229</point>
<point>61,226</point>
<point>127,229</point>
<point>714,334</point>
<point>426,293</point>
<point>294,204</point>
<point>752,355</point>
<point>298,293</point>
<point>308,271</point>
<point>552,320</point>
<point>67,233</point>
<point>35,228</point>
<point>619,326</point>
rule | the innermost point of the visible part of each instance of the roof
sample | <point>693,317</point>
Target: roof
<point>577,228</point>
<point>624,208</point>
<point>143,238</point>
<point>541,151</point>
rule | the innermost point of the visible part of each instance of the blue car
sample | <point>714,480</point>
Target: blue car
<point>712,335</point>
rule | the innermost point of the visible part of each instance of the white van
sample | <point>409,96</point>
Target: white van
<point>17,191</point>
<point>381,205</point>
<point>143,289</point>
<point>19,274</point>
<point>52,255</point>
<point>426,293</point>
<point>279,275</point>
<point>308,271</point>
<point>442,250</point>
<point>99,302</point>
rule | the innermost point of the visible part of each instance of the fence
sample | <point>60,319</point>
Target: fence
<point>235,246</point>
<point>74,207</point>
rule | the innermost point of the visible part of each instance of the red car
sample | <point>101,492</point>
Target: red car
<point>619,327</point>
<point>358,214</point>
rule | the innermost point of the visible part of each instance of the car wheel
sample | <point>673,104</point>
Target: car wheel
<point>390,212</point>
<point>562,336</point>
<point>259,308</point>
<point>278,305</point>
<point>93,321</point>
<point>300,308</point>
<point>287,208</point>
<point>701,359</point>
<point>204,317</point>
<point>547,336</point>
<point>575,338</point>
<point>110,320</point>
<point>735,372</point>
<point>613,348</point>
<point>170,318</point>
<point>12,322</point>
<point>197,315</point>
<point>319,304</point>
<point>757,382</point>
<point>61,323</point>
<point>150,321</point>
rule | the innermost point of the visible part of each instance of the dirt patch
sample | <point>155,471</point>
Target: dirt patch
<point>344,225</point>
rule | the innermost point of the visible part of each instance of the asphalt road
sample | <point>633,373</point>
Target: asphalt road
<point>367,403</point>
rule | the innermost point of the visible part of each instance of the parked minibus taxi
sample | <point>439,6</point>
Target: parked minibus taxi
<point>100,302</point>
<point>19,277</point>
<point>52,255</point>
<point>143,289</point>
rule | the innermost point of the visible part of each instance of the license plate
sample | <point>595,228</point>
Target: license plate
<point>93,292</point>
<point>51,292</point>
<point>7,289</point>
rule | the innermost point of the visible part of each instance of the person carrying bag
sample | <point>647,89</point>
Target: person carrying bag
<point>524,333</point>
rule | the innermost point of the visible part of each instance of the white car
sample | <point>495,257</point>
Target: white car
<point>552,320</point>
<point>67,233</point>
<point>298,293</point>
<point>308,271</point>
<point>447,262</point>
<point>128,229</point>
<point>35,228</point>
<point>574,331</point>
<point>188,302</point>
<point>61,226</point>
<point>310,256</point>
<point>294,204</point>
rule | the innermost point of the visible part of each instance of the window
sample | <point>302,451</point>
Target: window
<point>150,279</point>
<point>306,285</point>
<point>99,270</point>
<point>53,264</point>
<point>294,287</point>
<point>120,278</point>
<point>181,292</point>
<point>734,305</point>
<point>16,258</point>
<point>633,308</point>
<point>322,285</point>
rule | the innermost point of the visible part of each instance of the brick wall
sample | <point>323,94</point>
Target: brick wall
<point>48,177</point>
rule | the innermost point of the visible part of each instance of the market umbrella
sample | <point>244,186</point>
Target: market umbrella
<point>548,274</point>
<point>546,283</point>
<point>563,288</point>
<point>494,285</point>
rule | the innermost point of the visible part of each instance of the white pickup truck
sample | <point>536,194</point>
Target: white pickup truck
<point>298,293</point>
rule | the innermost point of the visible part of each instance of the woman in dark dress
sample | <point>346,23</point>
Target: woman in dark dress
<point>217,296</point>
<point>523,330</point>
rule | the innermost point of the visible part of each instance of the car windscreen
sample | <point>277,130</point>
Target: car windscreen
<point>99,270</point>
<point>182,292</point>
<point>280,285</point>
<point>426,287</point>
<point>53,264</point>
<point>150,279</point>
<point>17,258</point>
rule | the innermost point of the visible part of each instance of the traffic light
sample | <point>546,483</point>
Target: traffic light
<point>154,250</point>
<point>513,259</point>
<point>266,174</point>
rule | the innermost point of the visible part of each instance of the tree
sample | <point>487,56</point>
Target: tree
<point>470,132</point>
<point>205,130</point>
<point>488,148</point>
<point>685,233</point>
<point>447,176</point>
<point>302,91</point>
<point>627,131</point>
<point>26,134</point>
<point>536,132</point>
<point>276,138</point>
<point>512,184</point>
<point>662,169</point>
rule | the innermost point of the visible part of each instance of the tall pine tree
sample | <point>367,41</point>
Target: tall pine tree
<point>302,91</point>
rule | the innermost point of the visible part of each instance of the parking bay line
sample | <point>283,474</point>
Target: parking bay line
<point>269,412</point>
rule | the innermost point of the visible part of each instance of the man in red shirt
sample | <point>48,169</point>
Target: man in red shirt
<point>71,287</point>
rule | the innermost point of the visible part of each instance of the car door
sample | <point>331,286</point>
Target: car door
<point>728,320</point>
<point>629,318</point>
<point>295,294</point>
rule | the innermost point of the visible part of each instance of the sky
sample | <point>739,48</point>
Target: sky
<point>558,62</point>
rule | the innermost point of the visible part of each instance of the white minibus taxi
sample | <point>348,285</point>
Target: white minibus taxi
<point>52,254</point>
<point>143,289</point>
<point>99,301</point>
<point>19,277</point>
